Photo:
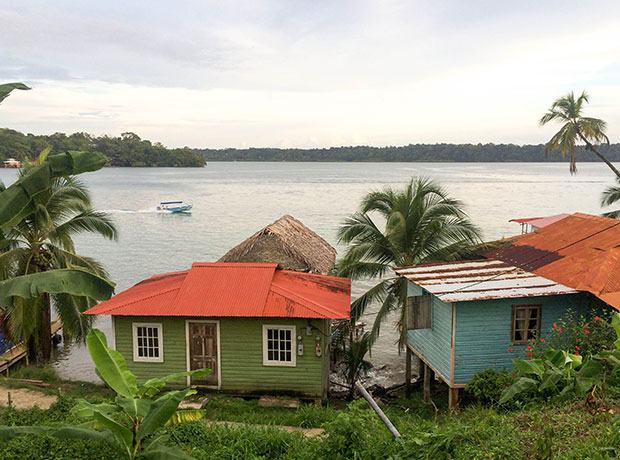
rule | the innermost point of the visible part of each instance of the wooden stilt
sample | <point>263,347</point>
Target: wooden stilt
<point>408,373</point>
<point>427,383</point>
<point>453,398</point>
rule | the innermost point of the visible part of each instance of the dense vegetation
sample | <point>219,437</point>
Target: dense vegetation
<point>407,153</point>
<point>126,150</point>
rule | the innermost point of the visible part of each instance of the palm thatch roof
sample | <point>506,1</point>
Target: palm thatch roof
<point>289,243</point>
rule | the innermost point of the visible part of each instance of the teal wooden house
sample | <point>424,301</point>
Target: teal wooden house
<point>468,316</point>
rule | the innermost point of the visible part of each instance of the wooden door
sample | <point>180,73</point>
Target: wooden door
<point>203,352</point>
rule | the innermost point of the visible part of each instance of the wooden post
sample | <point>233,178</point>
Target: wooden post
<point>408,373</point>
<point>427,383</point>
<point>453,398</point>
<point>377,409</point>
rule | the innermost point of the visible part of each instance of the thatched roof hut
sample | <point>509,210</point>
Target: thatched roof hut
<point>289,243</point>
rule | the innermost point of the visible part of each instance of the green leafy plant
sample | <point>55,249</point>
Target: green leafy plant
<point>354,364</point>
<point>487,386</point>
<point>131,422</point>
<point>564,374</point>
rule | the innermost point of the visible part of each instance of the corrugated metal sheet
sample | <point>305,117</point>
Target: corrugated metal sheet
<point>480,279</point>
<point>234,290</point>
<point>579,251</point>
<point>540,222</point>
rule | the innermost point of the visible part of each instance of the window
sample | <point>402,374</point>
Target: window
<point>148,342</point>
<point>419,314</point>
<point>525,323</point>
<point>279,346</point>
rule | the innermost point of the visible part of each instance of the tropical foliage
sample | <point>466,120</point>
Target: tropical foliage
<point>128,149</point>
<point>563,374</point>
<point>131,421</point>
<point>420,224</point>
<point>611,196</point>
<point>568,111</point>
<point>42,242</point>
<point>6,88</point>
<point>354,364</point>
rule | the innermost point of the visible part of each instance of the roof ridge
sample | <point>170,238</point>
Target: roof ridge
<point>137,300</point>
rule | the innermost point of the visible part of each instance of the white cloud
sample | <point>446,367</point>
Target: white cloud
<point>307,73</point>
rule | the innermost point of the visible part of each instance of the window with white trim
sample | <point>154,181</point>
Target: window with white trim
<point>148,342</point>
<point>279,345</point>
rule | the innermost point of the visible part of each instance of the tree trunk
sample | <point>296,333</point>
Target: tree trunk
<point>45,332</point>
<point>600,155</point>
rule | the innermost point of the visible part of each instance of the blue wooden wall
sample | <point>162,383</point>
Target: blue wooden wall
<point>434,343</point>
<point>483,330</point>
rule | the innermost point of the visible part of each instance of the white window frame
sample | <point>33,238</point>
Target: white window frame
<point>268,362</point>
<point>160,335</point>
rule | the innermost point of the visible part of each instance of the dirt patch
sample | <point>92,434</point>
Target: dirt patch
<point>25,399</point>
<point>308,432</point>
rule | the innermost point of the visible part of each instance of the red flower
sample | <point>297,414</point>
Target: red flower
<point>596,318</point>
<point>514,376</point>
<point>577,348</point>
<point>586,326</point>
<point>528,348</point>
<point>529,354</point>
<point>510,349</point>
<point>560,331</point>
<point>587,332</point>
<point>544,341</point>
<point>555,325</point>
<point>577,354</point>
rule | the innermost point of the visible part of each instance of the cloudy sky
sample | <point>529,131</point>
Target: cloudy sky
<point>307,73</point>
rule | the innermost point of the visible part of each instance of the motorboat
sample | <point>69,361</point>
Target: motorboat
<point>174,206</point>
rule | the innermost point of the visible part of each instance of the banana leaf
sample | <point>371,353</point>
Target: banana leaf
<point>111,365</point>
<point>74,281</point>
<point>16,201</point>
<point>6,88</point>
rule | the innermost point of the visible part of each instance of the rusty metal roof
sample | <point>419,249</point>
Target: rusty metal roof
<point>233,289</point>
<point>480,279</point>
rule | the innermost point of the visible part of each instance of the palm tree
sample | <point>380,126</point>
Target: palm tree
<point>42,242</point>
<point>610,196</point>
<point>422,224</point>
<point>575,128</point>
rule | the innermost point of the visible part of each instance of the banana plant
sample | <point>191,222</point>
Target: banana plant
<point>132,421</point>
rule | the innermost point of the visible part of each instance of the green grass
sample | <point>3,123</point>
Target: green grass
<point>564,431</point>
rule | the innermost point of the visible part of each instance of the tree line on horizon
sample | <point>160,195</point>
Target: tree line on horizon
<point>482,153</point>
<point>128,149</point>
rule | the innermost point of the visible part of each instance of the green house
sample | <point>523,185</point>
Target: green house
<point>467,316</point>
<point>259,328</point>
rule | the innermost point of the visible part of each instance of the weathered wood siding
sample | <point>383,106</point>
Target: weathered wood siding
<point>174,347</point>
<point>483,330</point>
<point>241,355</point>
<point>434,344</point>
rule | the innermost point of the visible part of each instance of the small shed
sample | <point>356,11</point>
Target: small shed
<point>290,244</point>
<point>260,329</point>
<point>468,316</point>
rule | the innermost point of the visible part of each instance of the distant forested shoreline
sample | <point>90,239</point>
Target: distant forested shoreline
<point>126,150</point>
<point>129,149</point>
<point>409,153</point>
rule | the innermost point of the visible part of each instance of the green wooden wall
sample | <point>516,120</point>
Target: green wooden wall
<point>241,354</point>
<point>434,344</point>
<point>483,330</point>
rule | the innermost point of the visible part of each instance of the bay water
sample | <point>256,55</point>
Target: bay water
<point>232,200</point>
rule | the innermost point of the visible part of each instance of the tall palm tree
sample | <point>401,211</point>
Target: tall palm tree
<point>610,196</point>
<point>41,242</point>
<point>422,224</point>
<point>575,127</point>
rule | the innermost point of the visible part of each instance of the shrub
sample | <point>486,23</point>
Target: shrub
<point>486,387</point>
<point>585,335</point>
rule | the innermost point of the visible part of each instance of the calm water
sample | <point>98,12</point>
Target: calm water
<point>233,200</point>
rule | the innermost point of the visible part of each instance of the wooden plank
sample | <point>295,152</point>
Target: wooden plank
<point>453,398</point>
<point>427,383</point>
<point>408,372</point>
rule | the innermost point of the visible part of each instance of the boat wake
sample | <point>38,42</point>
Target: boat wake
<point>130,211</point>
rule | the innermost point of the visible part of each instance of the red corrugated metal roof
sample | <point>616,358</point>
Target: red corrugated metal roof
<point>540,222</point>
<point>580,251</point>
<point>233,289</point>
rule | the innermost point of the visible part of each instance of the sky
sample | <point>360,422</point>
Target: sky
<point>320,73</point>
